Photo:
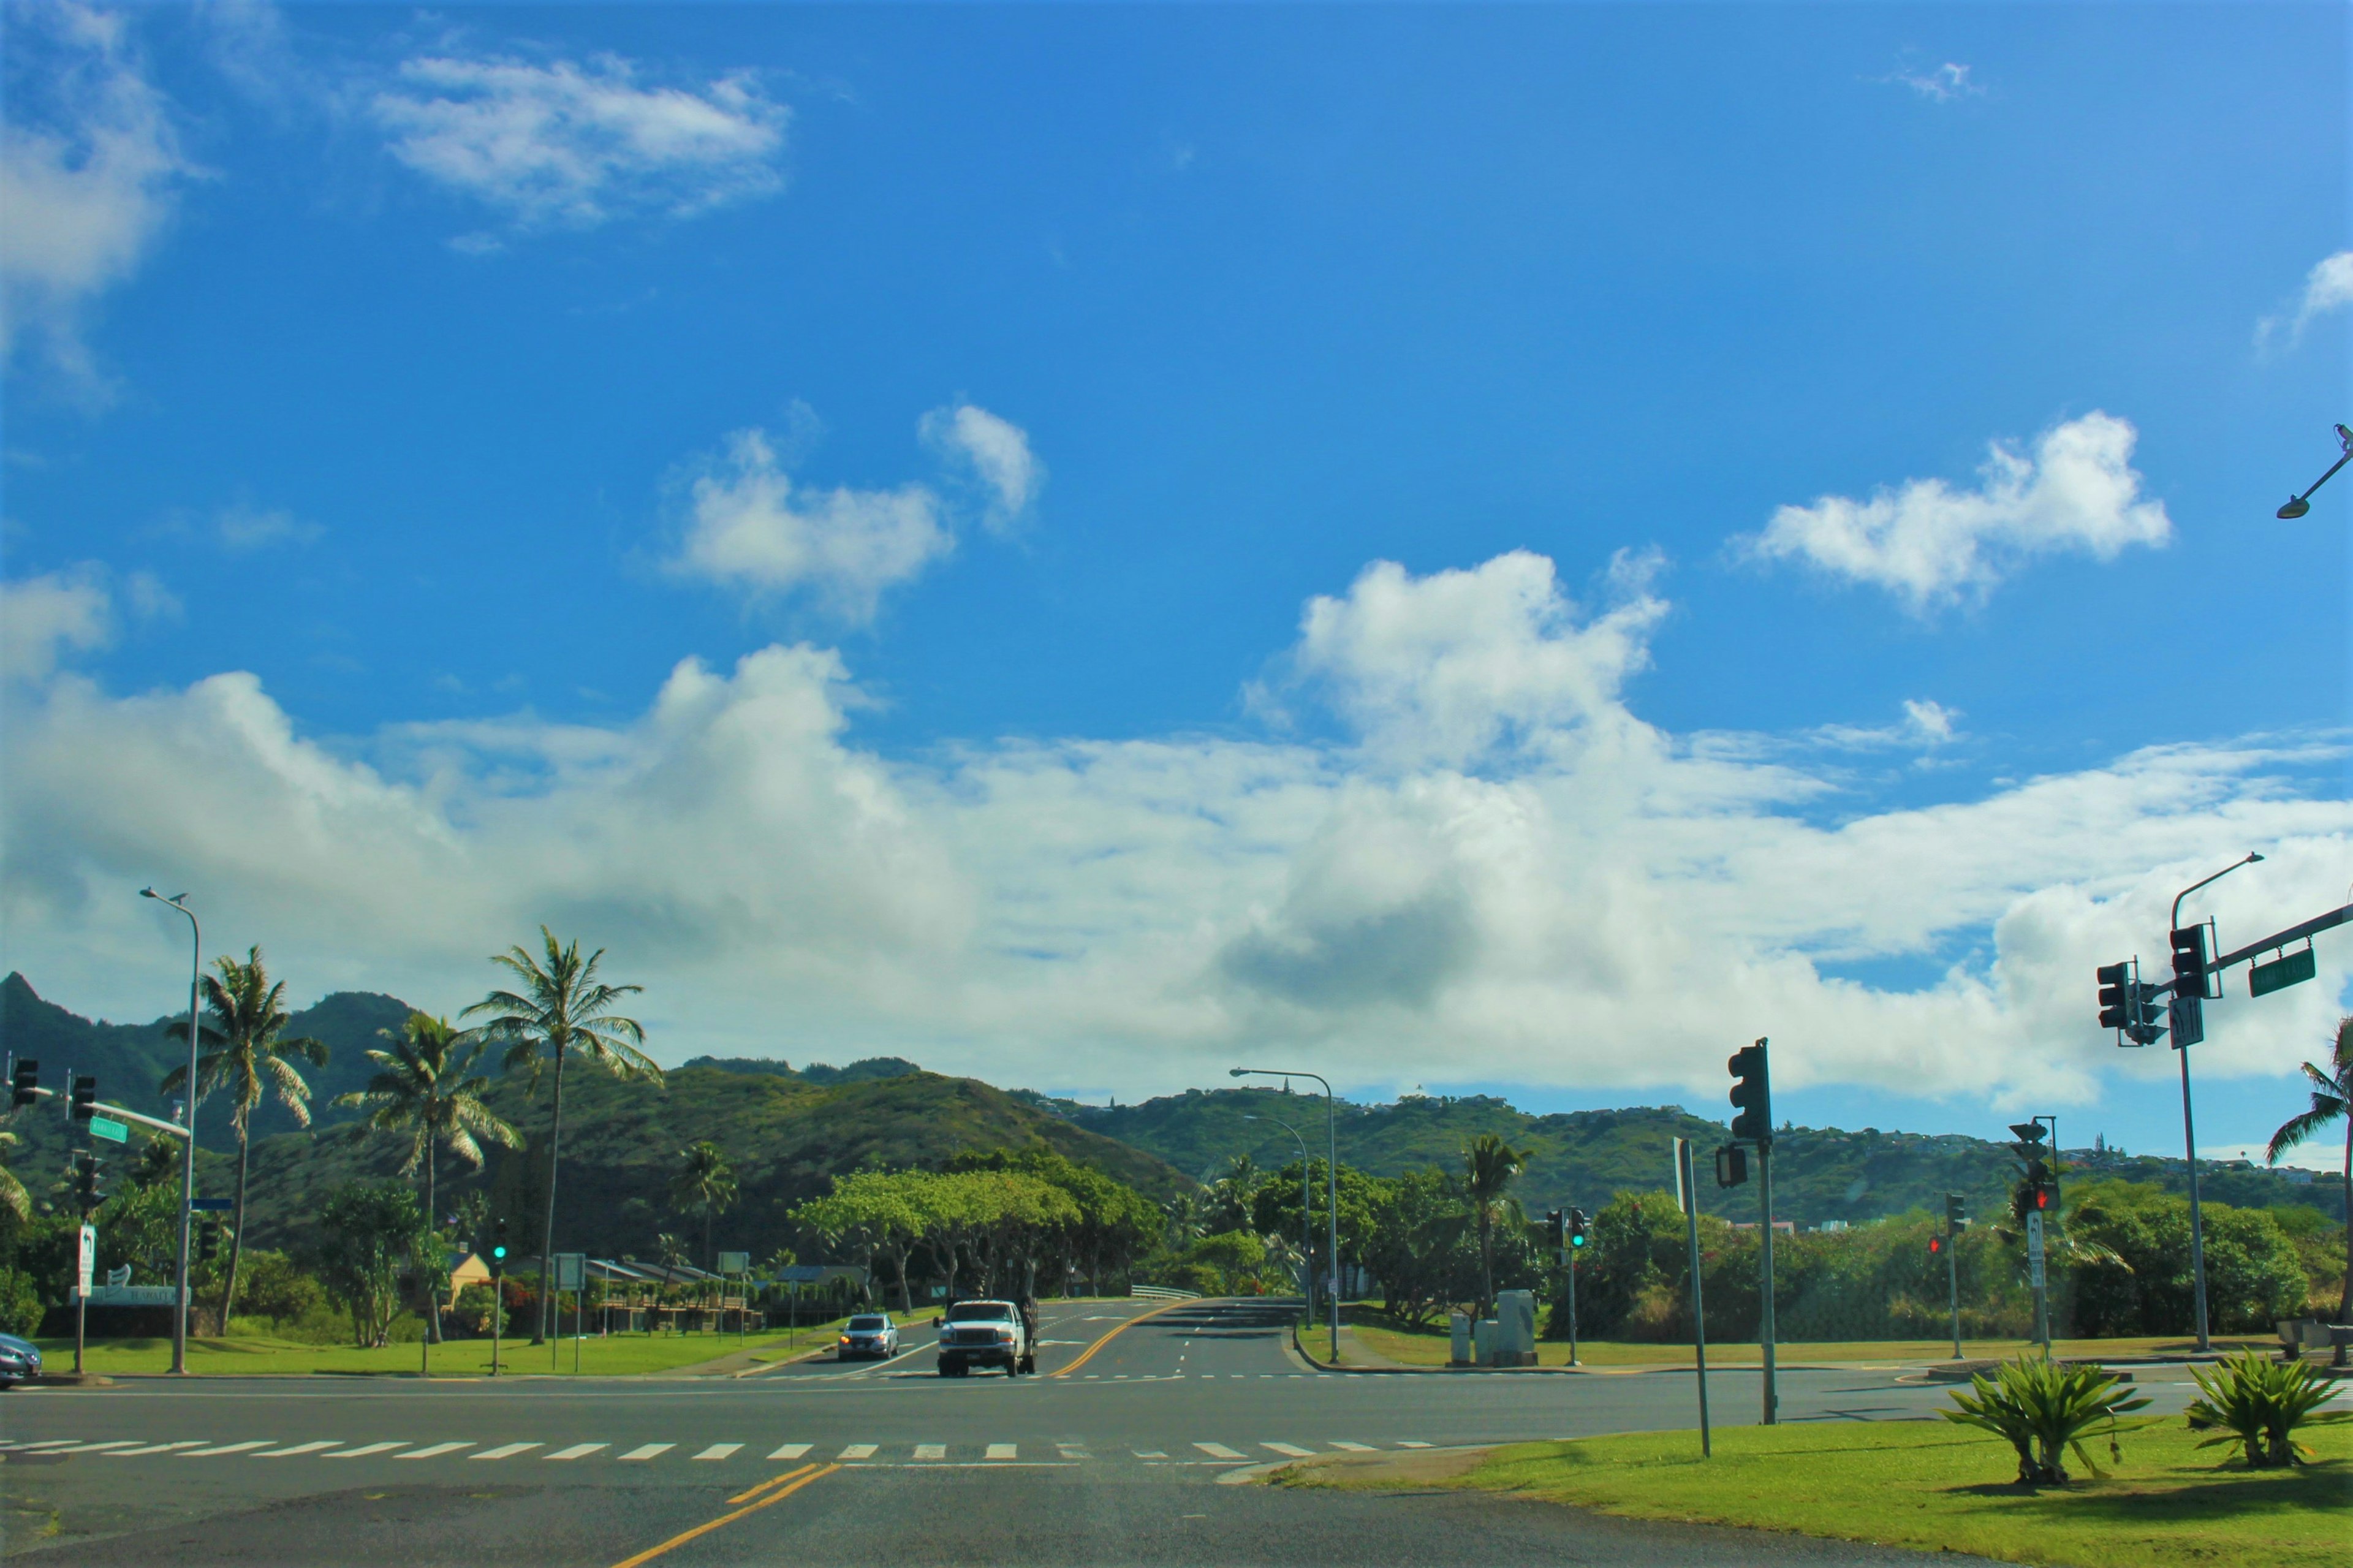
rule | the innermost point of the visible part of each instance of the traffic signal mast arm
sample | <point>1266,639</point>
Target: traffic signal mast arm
<point>117,1112</point>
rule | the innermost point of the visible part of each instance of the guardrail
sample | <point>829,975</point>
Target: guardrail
<point>1162,1294</point>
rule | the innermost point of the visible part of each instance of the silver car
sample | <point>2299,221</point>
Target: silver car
<point>868,1334</point>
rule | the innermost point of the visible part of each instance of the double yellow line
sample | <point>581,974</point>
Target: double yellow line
<point>1090,1350</point>
<point>776,1489</point>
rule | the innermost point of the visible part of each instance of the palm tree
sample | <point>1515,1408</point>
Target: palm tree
<point>2332,1099</point>
<point>1230,1194</point>
<point>422,1089</point>
<point>246,1020</point>
<point>1489,1167</point>
<point>13,1196</point>
<point>705,1180</point>
<point>561,1009</point>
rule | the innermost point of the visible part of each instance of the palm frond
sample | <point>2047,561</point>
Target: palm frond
<point>2297,1128</point>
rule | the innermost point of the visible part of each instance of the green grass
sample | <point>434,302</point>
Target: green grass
<point>1432,1349</point>
<point>1935,1487</point>
<point>261,1357</point>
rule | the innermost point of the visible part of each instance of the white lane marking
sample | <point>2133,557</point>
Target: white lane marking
<point>1350,1447</point>
<point>790,1451</point>
<point>364,1450</point>
<point>435,1451</point>
<point>578,1450</point>
<point>102,1448</point>
<point>931,1450</point>
<point>1219,1451</point>
<point>648,1452</point>
<point>227,1448</point>
<point>1002,1451</point>
<point>1148,1454</point>
<point>160,1448</point>
<point>1293,1449</point>
<point>506,1451</point>
<point>719,1450</point>
<point>44,1443</point>
<point>301,1448</point>
<point>1406,1445</point>
<point>857,1451</point>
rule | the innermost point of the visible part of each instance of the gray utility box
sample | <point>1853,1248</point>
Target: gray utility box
<point>1515,1340</point>
<point>1459,1326</point>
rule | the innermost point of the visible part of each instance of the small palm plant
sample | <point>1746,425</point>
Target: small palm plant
<point>2045,1409</point>
<point>2261,1403</point>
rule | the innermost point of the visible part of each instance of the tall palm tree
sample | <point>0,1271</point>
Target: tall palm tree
<point>13,1196</point>
<point>705,1180</point>
<point>422,1091</point>
<point>2332,1101</point>
<point>1490,1165</point>
<point>249,1058</point>
<point>561,1009</point>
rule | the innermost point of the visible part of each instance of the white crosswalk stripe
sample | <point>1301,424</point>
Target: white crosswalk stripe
<point>1219,1451</point>
<point>1002,1451</point>
<point>364,1450</point>
<point>227,1448</point>
<point>648,1452</point>
<point>156,1448</point>
<point>434,1451</point>
<point>790,1451</point>
<point>857,1451</point>
<point>98,1447</point>
<point>302,1448</point>
<point>1408,1445</point>
<point>578,1450</point>
<point>506,1451</point>
<point>1293,1449</point>
<point>1351,1447</point>
<point>1070,1451</point>
<point>1148,1453</point>
<point>718,1450</point>
<point>931,1450</point>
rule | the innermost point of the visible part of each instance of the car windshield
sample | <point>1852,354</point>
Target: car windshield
<point>979,1311</point>
<point>869,1325</point>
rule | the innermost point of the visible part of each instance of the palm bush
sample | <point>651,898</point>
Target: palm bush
<point>2260,1403</point>
<point>2045,1409</point>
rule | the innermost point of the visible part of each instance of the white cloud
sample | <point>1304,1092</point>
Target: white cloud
<point>2327,288</point>
<point>996,450</point>
<point>1925,724</point>
<point>1499,874</point>
<point>749,527</point>
<point>1940,84</point>
<point>1931,545</point>
<point>87,166</point>
<point>578,144</point>
<point>243,526</point>
<point>42,617</point>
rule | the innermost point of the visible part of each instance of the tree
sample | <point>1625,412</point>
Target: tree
<point>562,1008</point>
<point>423,1091</point>
<point>245,1025</point>
<point>2332,1101</point>
<point>13,1196</point>
<point>369,1231</point>
<point>705,1180</point>
<point>1490,1165</point>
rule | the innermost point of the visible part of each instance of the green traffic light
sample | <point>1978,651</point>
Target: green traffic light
<point>1577,1241</point>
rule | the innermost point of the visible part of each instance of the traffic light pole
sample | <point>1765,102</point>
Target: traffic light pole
<point>1953,1269</point>
<point>1688,1191</point>
<point>1765,1320</point>
<point>1569,1258</point>
<point>188,1163</point>
<point>2197,1220</point>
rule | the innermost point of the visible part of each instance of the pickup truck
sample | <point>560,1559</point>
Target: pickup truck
<point>985,1333</point>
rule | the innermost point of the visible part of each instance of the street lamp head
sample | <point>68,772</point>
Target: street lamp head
<point>2296,506</point>
<point>2253,858</point>
<point>1237,1072</point>
<point>149,893</point>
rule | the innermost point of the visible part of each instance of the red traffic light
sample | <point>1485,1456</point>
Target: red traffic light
<point>2043,1197</point>
<point>1936,1245</point>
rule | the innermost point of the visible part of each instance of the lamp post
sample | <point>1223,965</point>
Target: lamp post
<point>2298,505</point>
<point>2188,1125</point>
<point>1306,1215</point>
<point>1331,1196</point>
<point>188,1162</point>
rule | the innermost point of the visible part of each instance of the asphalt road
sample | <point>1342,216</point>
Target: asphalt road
<point>1122,1452</point>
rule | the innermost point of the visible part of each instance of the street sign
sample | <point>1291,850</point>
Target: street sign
<point>212,1205</point>
<point>87,1258</point>
<point>735,1262</point>
<point>2187,1016</point>
<point>2034,1248</point>
<point>2263,979</point>
<point>129,1296</point>
<point>571,1270</point>
<point>108,1128</point>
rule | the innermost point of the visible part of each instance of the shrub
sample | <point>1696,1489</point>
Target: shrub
<point>20,1302</point>
<point>2262,1402</point>
<point>2045,1409</point>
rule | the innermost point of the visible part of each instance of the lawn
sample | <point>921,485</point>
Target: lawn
<point>261,1357</point>
<point>1935,1487</point>
<point>1426,1349</point>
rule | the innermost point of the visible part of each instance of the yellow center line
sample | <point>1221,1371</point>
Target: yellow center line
<point>1089,1355</point>
<point>648,1555</point>
<point>772,1481</point>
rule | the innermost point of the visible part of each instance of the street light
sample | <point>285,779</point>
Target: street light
<point>2188,1126</point>
<point>1306,1215</point>
<point>188,1166</point>
<point>1332,1195</point>
<point>2298,505</point>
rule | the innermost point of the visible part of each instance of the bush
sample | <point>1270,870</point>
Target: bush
<point>472,1314</point>
<point>20,1302</point>
<point>2045,1409</point>
<point>2262,1402</point>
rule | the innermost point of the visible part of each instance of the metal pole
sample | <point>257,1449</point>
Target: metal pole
<point>1306,1217</point>
<point>1765,1322</point>
<point>2188,1131</point>
<point>498,1314</point>
<point>1332,1195</point>
<point>1689,1191</point>
<point>1953,1271</point>
<point>188,1163</point>
<point>1570,1260</point>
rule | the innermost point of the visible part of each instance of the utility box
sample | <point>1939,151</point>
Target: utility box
<point>1515,1328</point>
<point>1483,1342</point>
<point>1459,1326</point>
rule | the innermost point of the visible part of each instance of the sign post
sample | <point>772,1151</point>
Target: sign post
<point>86,1262</point>
<point>571,1274</point>
<point>1687,1194</point>
<point>2038,1278</point>
<point>737,1266</point>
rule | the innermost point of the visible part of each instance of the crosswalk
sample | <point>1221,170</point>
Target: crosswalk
<point>1060,1451</point>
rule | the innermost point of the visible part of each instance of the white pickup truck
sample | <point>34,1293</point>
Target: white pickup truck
<point>985,1333</point>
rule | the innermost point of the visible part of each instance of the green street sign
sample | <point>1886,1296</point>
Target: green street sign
<point>108,1128</point>
<point>2263,979</point>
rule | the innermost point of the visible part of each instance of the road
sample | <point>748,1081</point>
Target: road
<point>1121,1452</point>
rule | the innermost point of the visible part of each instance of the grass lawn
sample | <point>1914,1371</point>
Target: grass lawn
<point>258,1357</point>
<point>1935,1486</point>
<point>1423,1349</point>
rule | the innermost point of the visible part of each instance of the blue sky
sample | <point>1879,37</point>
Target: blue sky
<point>1827,459</point>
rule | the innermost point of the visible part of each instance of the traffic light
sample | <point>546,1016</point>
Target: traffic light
<point>2189,961</point>
<point>2041,1182</point>
<point>2145,1030</point>
<point>1752,1092</point>
<point>1577,1236</point>
<point>1557,1227</point>
<point>84,1098</point>
<point>1956,1214</point>
<point>498,1245</point>
<point>207,1242</point>
<point>1935,1244</point>
<point>88,1192</point>
<point>2116,995</point>
<point>23,1082</point>
<point>1731,1165</point>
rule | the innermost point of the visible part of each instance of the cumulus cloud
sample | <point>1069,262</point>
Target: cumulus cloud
<point>997,452</point>
<point>43,617</point>
<point>89,164</point>
<point>749,527</point>
<point>1495,873</point>
<point>2327,288</point>
<point>577,144</point>
<point>1931,545</point>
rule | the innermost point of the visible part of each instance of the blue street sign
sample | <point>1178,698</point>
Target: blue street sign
<point>211,1205</point>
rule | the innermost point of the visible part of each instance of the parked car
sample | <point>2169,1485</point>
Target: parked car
<point>868,1334</point>
<point>20,1361</point>
<point>984,1333</point>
